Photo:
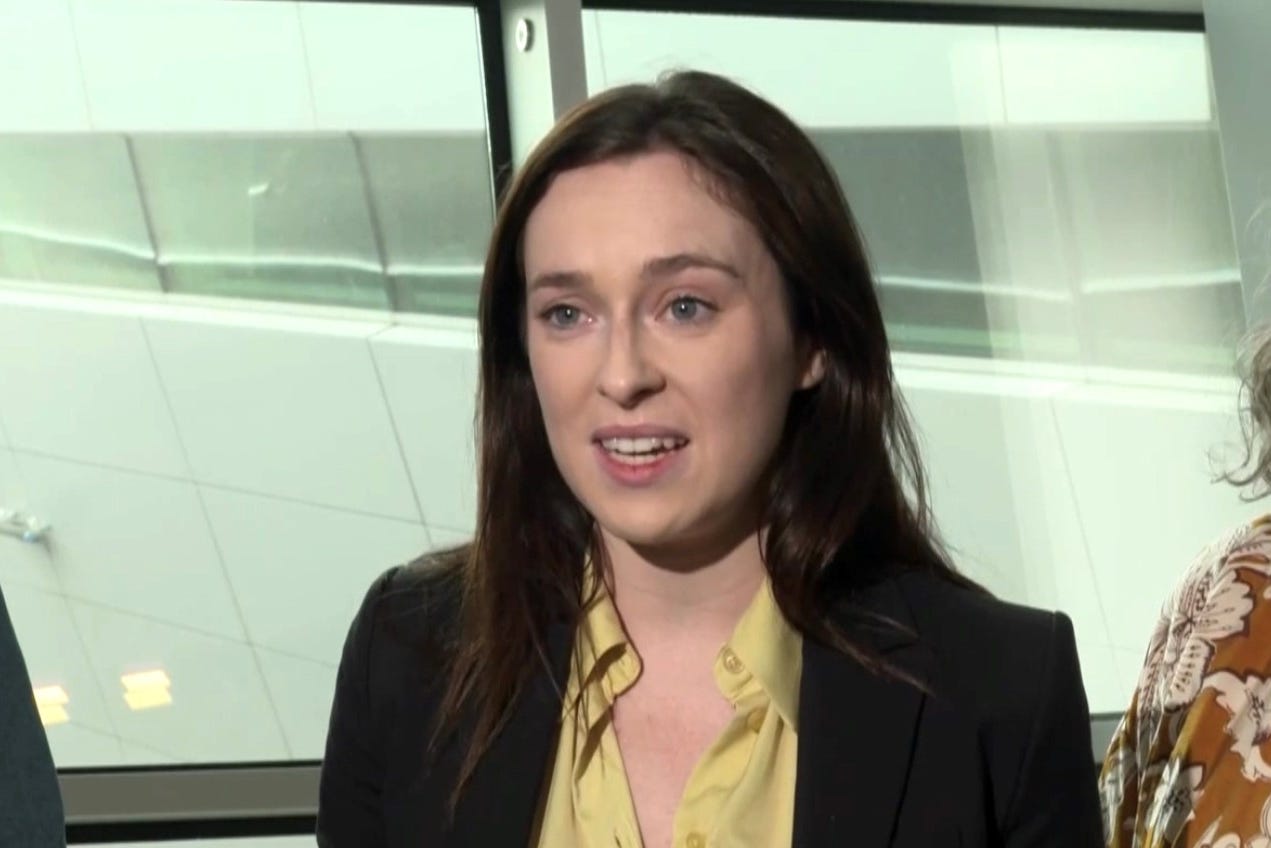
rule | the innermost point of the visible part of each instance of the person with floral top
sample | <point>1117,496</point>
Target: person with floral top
<point>1190,765</point>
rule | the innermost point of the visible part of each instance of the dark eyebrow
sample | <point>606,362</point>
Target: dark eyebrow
<point>560,280</point>
<point>658,267</point>
<point>666,266</point>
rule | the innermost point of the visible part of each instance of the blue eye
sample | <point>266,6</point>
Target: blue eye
<point>562,316</point>
<point>687,309</point>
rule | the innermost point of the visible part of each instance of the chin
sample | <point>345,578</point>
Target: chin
<point>641,531</point>
<point>641,535</point>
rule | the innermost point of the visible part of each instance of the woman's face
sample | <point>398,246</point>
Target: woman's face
<point>661,349</point>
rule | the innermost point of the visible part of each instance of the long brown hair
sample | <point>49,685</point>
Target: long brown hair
<point>846,496</point>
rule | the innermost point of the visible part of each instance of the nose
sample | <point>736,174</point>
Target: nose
<point>627,374</point>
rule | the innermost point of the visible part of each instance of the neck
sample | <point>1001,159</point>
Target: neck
<point>668,598</point>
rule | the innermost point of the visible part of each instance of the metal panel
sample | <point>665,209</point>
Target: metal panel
<point>546,72</point>
<point>190,794</point>
<point>70,213</point>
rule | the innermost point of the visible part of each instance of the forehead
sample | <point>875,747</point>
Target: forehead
<point>657,202</point>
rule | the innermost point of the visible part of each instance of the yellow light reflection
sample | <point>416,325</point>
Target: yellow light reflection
<point>145,690</point>
<point>51,702</point>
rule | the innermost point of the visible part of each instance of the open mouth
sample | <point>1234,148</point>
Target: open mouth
<point>641,451</point>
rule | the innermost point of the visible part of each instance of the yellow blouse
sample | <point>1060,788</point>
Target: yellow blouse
<point>742,790</point>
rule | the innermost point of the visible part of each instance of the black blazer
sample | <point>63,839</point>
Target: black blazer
<point>997,754</point>
<point>30,802</point>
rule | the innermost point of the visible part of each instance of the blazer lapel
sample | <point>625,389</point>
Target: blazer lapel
<point>501,803</point>
<point>856,733</point>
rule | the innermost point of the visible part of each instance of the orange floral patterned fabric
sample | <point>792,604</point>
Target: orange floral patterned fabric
<point>1188,766</point>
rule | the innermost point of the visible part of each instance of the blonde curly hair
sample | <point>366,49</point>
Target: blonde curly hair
<point>1254,369</point>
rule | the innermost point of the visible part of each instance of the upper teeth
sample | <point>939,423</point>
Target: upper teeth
<point>647,444</point>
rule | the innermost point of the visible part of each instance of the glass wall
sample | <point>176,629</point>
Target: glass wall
<point>1010,212</point>
<point>321,154</point>
<point>224,467</point>
<point>1046,213</point>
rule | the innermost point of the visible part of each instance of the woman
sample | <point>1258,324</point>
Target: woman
<point>700,608</point>
<point>1188,766</point>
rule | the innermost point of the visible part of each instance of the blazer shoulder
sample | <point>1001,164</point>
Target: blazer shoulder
<point>966,620</point>
<point>415,605</point>
<point>404,631</point>
<point>1012,674</point>
<point>989,654</point>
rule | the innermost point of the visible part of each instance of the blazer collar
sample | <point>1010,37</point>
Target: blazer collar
<point>857,728</point>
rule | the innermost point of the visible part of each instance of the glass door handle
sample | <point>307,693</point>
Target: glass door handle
<point>22,525</point>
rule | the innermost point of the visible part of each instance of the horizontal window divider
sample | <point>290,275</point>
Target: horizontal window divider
<point>189,801</point>
<point>946,13</point>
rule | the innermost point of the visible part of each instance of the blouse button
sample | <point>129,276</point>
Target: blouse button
<point>733,665</point>
<point>695,840</point>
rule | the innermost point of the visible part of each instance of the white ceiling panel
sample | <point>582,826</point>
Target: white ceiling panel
<point>278,552</point>
<point>284,412</point>
<point>133,542</point>
<point>302,691</point>
<point>430,379</point>
<point>54,653</point>
<point>139,755</point>
<point>219,709</point>
<point>21,562</point>
<point>74,746</point>
<point>83,386</point>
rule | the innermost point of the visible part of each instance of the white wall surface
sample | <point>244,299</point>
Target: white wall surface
<point>224,484</point>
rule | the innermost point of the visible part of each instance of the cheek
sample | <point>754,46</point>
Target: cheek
<point>747,395</point>
<point>558,381</point>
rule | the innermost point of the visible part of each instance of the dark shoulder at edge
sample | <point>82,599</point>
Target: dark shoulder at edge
<point>416,604</point>
<point>974,631</point>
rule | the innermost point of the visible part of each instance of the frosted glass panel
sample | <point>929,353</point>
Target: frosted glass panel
<point>435,209</point>
<point>1107,247</point>
<point>70,213</point>
<point>331,153</point>
<point>1089,229</point>
<point>283,218</point>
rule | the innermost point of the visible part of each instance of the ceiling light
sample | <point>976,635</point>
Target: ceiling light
<point>144,690</point>
<point>51,701</point>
